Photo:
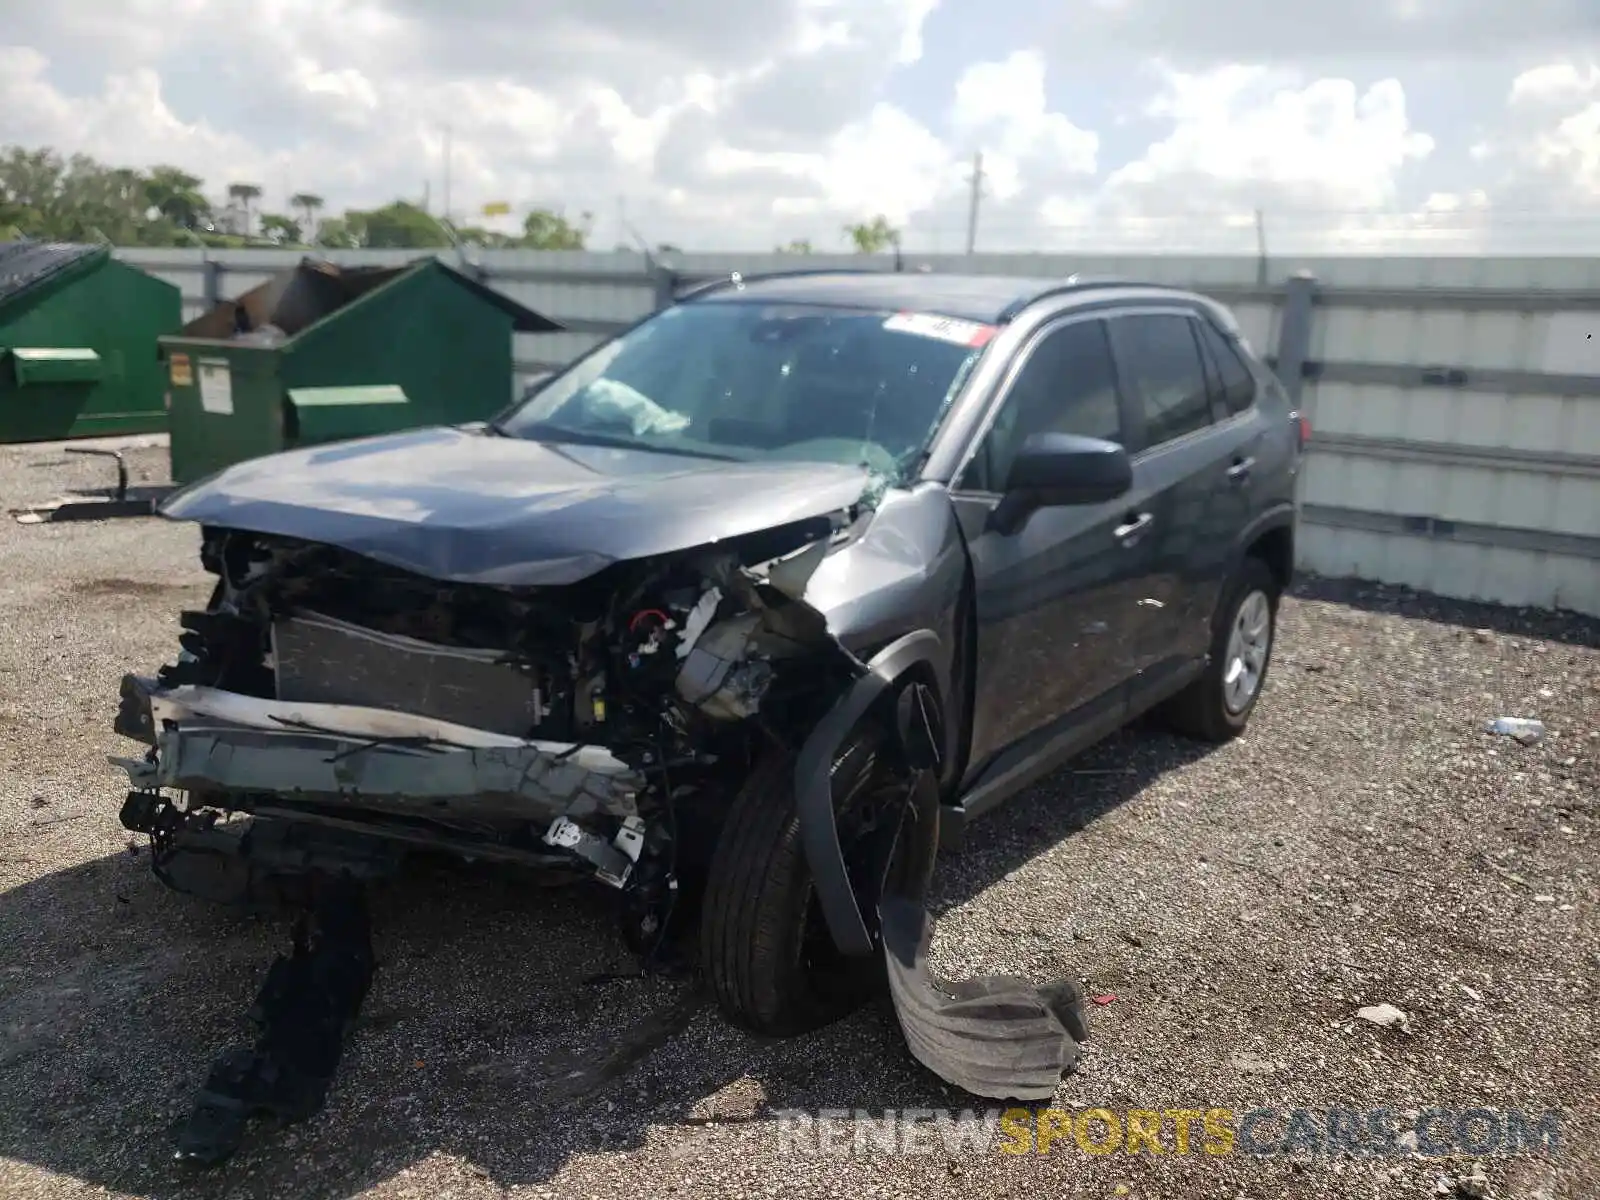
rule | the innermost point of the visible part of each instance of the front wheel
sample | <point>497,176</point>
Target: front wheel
<point>1217,706</point>
<point>765,950</point>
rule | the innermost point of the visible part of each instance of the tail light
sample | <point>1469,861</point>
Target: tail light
<point>1302,429</point>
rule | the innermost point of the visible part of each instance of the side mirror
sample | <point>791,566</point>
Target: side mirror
<point>1059,469</point>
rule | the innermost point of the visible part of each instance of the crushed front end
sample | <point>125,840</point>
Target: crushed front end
<point>328,714</point>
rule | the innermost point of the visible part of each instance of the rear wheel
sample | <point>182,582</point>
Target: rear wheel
<point>765,949</point>
<point>1217,706</point>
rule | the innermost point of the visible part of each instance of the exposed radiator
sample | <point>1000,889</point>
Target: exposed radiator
<point>324,661</point>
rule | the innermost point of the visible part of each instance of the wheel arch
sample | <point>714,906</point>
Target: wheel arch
<point>916,658</point>
<point>1271,538</point>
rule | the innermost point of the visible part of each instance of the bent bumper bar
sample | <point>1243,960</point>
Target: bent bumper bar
<point>212,741</point>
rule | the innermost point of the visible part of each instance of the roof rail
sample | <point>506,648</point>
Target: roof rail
<point>1072,283</point>
<point>735,278</point>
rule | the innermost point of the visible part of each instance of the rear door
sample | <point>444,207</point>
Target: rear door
<point>1182,455</point>
<point>1242,426</point>
<point>1057,599</point>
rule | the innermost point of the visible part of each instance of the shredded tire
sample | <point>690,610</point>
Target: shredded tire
<point>759,902</point>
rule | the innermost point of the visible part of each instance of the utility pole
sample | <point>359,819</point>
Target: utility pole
<point>972,204</point>
<point>447,174</point>
<point>1261,247</point>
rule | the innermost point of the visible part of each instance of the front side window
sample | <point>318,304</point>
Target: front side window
<point>1159,362</point>
<point>1066,385</point>
<point>748,381</point>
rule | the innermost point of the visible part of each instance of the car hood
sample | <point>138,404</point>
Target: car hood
<point>473,507</point>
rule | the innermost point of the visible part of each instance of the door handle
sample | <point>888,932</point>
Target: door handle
<point>1136,526</point>
<point>1240,469</point>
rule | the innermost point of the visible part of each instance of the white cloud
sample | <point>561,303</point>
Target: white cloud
<point>1250,130</point>
<point>1321,159</point>
<point>1574,147</point>
<point>129,121</point>
<point>1314,33</point>
<point>345,94</point>
<point>1002,108</point>
<point>1558,105</point>
<point>1554,83</point>
<point>742,126</point>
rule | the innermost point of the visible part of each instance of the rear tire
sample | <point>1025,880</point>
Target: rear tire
<point>1217,706</point>
<point>764,948</point>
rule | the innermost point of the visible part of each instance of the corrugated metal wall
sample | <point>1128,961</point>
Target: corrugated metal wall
<point>1455,401</point>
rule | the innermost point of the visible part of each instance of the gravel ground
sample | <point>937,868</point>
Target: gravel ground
<point>1365,843</point>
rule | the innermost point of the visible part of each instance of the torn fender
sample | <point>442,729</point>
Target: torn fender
<point>813,783</point>
<point>997,1036</point>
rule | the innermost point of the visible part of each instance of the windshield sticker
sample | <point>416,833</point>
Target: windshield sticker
<point>945,329</point>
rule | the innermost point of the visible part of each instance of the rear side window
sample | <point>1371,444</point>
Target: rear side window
<point>1238,385</point>
<point>1159,362</point>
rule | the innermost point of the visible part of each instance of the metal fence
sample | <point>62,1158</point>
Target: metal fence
<point>1455,401</point>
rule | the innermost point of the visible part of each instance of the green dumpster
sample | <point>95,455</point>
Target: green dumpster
<point>321,353</point>
<point>78,334</point>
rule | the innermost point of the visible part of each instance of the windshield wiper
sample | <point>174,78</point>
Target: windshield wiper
<point>545,432</point>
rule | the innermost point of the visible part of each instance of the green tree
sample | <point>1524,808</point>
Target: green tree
<point>337,233</point>
<point>399,225</point>
<point>797,246</point>
<point>309,204</point>
<point>284,231</point>
<point>43,195</point>
<point>30,187</point>
<point>489,239</point>
<point>244,194</point>
<point>874,236</point>
<point>546,230</point>
<point>176,195</point>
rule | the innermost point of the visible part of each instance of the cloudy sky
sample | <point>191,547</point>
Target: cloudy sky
<point>722,124</point>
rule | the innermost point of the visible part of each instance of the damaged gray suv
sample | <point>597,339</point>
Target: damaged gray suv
<point>743,614</point>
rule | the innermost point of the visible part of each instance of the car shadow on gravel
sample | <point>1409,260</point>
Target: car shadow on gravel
<point>507,1026</point>
<point>1554,625</point>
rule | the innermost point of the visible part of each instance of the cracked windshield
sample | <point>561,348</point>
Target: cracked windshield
<point>745,381</point>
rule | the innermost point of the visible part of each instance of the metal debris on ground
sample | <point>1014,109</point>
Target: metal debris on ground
<point>305,1006</point>
<point>1523,729</point>
<point>125,499</point>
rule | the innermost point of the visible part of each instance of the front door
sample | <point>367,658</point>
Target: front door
<point>1057,599</point>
